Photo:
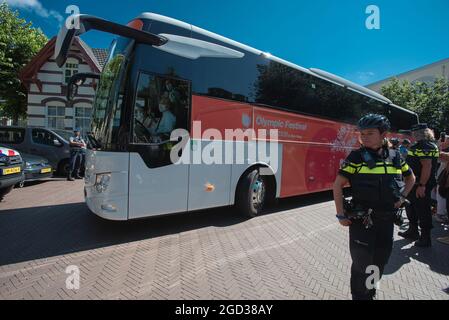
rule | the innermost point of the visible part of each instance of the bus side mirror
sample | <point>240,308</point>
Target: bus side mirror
<point>85,23</point>
<point>72,91</point>
<point>76,81</point>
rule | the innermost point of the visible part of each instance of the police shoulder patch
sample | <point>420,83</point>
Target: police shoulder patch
<point>345,164</point>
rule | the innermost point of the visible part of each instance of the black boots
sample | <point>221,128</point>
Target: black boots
<point>412,233</point>
<point>425,241</point>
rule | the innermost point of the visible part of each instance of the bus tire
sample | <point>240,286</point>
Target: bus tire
<point>252,194</point>
<point>271,199</point>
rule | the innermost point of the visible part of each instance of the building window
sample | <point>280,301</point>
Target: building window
<point>70,70</point>
<point>82,118</point>
<point>56,117</point>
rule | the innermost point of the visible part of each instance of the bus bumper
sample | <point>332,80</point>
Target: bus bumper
<point>109,208</point>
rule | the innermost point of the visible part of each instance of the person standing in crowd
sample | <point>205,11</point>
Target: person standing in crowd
<point>443,203</point>
<point>442,213</point>
<point>404,148</point>
<point>375,173</point>
<point>422,159</point>
<point>77,150</point>
<point>395,143</point>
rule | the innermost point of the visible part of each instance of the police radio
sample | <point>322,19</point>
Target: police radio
<point>368,158</point>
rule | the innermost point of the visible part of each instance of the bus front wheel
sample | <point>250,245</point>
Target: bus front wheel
<point>252,194</point>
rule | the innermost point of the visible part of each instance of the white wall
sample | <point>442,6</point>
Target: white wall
<point>35,96</point>
<point>423,75</point>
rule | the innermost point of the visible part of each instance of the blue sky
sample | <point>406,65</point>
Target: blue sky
<point>325,34</point>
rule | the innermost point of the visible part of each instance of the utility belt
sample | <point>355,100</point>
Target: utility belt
<point>358,213</point>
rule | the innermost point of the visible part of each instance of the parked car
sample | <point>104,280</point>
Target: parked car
<point>11,170</point>
<point>53,145</point>
<point>35,168</point>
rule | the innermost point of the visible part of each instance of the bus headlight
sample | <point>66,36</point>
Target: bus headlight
<point>102,182</point>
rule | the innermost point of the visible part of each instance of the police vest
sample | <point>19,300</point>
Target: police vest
<point>424,150</point>
<point>376,180</point>
<point>77,140</point>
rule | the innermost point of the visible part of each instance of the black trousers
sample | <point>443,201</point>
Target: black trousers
<point>419,213</point>
<point>76,159</point>
<point>369,247</point>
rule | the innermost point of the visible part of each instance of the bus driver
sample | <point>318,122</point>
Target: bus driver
<point>167,122</point>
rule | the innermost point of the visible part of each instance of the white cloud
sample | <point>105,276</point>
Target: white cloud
<point>365,76</point>
<point>36,7</point>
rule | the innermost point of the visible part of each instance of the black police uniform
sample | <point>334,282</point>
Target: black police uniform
<point>420,210</point>
<point>377,183</point>
<point>77,155</point>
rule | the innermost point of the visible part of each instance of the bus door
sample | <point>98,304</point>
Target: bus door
<point>156,185</point>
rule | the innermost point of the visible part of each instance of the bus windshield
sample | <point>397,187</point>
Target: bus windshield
<point>110,96</point>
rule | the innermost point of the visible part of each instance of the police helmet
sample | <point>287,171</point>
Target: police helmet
<point>76,130</point>
<point>406,142</point>
<point>374,121</point>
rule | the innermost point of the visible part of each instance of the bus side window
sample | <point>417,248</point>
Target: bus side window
<point>161,106</point>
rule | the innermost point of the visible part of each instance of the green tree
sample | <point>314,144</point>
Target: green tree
<point>429,101</point>
<point>19,43</point>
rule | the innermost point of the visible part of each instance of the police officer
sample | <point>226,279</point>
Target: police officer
<point>404,148</point>
<point>395,143</point>
<point>375,173</point>
<point>423,160</point>
<point>77,151</point>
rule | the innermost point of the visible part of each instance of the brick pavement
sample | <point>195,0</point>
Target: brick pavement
<point>297,251</point>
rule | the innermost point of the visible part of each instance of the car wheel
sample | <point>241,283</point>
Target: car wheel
<point>20,185</point>
<point>252,194</point>
<point>64,168</point>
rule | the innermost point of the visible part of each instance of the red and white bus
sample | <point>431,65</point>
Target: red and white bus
<point>158,64</point>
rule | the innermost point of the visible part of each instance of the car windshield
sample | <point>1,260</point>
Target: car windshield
<point>109,96</point>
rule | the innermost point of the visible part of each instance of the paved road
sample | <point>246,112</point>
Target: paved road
<point>295,252</point>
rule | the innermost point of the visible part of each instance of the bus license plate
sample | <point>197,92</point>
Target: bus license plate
<point>47,170</point>
<point>11,171</point>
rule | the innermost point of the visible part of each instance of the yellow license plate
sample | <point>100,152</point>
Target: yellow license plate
<point>11,171</point>
<point>47,170</point>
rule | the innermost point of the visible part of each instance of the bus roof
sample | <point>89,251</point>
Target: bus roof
<point>402,109</point>
<point>313,71</point>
